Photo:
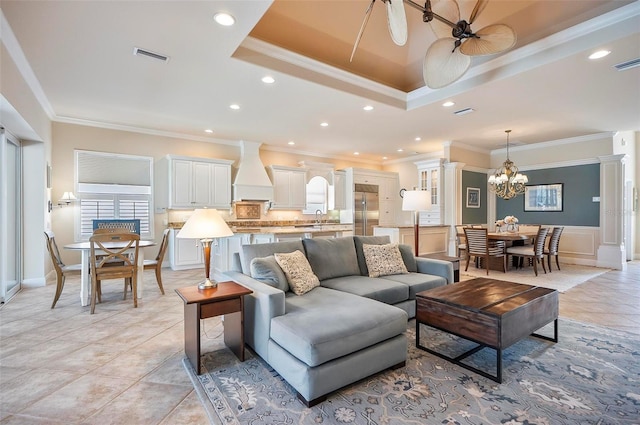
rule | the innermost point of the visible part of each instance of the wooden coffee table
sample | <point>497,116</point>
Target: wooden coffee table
<point>492,313</point>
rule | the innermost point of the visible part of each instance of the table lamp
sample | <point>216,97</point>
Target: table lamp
<point>206,225</point>
<point>416,201</point>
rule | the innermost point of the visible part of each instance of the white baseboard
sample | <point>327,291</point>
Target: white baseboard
<point>35,282</point>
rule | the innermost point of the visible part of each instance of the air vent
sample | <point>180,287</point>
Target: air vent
<point>623,66</point>
<point>464,111</point>
<point>141,52</point>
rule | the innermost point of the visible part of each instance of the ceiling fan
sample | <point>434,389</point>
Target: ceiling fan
<point>449,57</point>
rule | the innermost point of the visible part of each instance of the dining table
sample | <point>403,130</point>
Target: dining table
<point>512,236</point>
<point>85,276</point>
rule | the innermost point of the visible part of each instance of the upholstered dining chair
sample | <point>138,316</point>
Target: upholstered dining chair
<point>62,270</point>
<point>479,246</point>
<point>103,267</point>
<point>157,263</point>
<point>552,247</point>
<point>535,252</point>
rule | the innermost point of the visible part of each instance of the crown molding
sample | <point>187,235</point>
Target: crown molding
<point>555,143</point>
<point>256,51</point>
<point>562,164</point>
<point>319,155</point>
<point>141,130</point>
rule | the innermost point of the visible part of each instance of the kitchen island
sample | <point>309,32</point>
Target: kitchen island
<point>434,239</point>
<point>187,253</point>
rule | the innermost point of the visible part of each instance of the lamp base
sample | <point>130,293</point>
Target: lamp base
<point>207,284</point>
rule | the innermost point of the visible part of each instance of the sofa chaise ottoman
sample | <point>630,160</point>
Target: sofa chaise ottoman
<point>347,328</point>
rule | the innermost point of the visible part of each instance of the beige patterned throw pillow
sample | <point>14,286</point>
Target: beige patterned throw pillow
<point>383,260</point>
<point>298,271</point>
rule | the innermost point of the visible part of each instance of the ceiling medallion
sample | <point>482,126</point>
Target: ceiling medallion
<point>507,182</point>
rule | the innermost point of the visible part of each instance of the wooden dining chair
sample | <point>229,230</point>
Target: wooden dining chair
<point>62,270</point>
<point>103,230</point>
<point>157,263</point>
<point>552,247</point>
<point>101,269</point>
<point>480,247</point>
<point>461,239</point>
<point>535,252</point>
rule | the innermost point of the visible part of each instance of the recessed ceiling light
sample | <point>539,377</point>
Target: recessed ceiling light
<point>208,130</point>
<point>324,124</point>
<point>400,150</point>
<point>368,108</point>
<point>224,19</point>
<point>234,106</point>
<point>291,143</point>
<point>268,79</point>
<point>417,139</point>
<point>356,153</point>
<point>448,104</point>
<point>599,54</point>
<point>384,157</point>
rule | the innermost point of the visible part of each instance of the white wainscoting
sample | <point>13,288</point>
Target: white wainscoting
<point>579,245</point>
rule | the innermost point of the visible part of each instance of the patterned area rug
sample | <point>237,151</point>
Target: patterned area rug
<point>591,376</point>
<point>562,280</point>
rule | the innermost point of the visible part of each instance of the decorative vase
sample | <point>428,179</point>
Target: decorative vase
<point>511,228</point>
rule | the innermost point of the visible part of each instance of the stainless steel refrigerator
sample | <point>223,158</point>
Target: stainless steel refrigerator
<point>366,209</point>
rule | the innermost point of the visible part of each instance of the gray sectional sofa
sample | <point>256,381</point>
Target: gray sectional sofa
<point>348,328</point>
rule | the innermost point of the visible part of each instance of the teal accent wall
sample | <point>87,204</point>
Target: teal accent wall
<point>477,180</point>
<point>581,184</point>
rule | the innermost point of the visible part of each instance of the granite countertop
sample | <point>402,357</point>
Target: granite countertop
<point>294,229</point>
<point>280,227</point>
<point>411,226</point>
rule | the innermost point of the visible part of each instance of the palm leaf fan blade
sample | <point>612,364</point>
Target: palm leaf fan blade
<point>477,10</point>
<point>490,40</point>
<point>443,64</point>
<point>362,27</point>
<point>397,21</point>
<point>450,11</point>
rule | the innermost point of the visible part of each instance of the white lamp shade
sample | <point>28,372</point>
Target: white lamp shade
<point>416,200</point>
<point>68,197</point>
<point>205,224</point>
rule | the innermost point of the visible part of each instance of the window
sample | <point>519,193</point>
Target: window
<point>107,194</point>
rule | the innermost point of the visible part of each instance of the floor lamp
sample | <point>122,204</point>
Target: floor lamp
<point>206,225</point>
<point>416,201</point>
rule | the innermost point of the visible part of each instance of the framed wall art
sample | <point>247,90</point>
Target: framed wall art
<point>543,197</point>
<point>473,197</point>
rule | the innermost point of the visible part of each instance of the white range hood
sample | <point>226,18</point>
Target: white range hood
<point>252,182</point>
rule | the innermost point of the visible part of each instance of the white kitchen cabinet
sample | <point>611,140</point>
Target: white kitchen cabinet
<point>430,178</point>
<point>184,182</point>
<point>184,253</point>
<point>289,188</point>
<point>337,191</point>
<point>224,250</point>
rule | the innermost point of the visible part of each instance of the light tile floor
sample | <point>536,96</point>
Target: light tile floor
<point>124,365</point>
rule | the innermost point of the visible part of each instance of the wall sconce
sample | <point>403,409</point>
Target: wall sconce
<point>67,198</point>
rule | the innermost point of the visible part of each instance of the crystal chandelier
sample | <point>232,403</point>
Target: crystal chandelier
<point>506,182</point>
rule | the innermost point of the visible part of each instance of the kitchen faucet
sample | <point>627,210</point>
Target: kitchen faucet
<point>318,220</point>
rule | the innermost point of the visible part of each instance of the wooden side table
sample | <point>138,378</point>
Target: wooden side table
<point>227,300</point>
<point>455,261</point>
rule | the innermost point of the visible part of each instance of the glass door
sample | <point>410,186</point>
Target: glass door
<point>10,216</point>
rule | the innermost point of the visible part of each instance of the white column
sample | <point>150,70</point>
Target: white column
<point>611,251</point>
<point>452,214</point>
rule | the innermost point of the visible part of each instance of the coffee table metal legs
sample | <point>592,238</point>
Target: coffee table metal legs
<point>458,359</point>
